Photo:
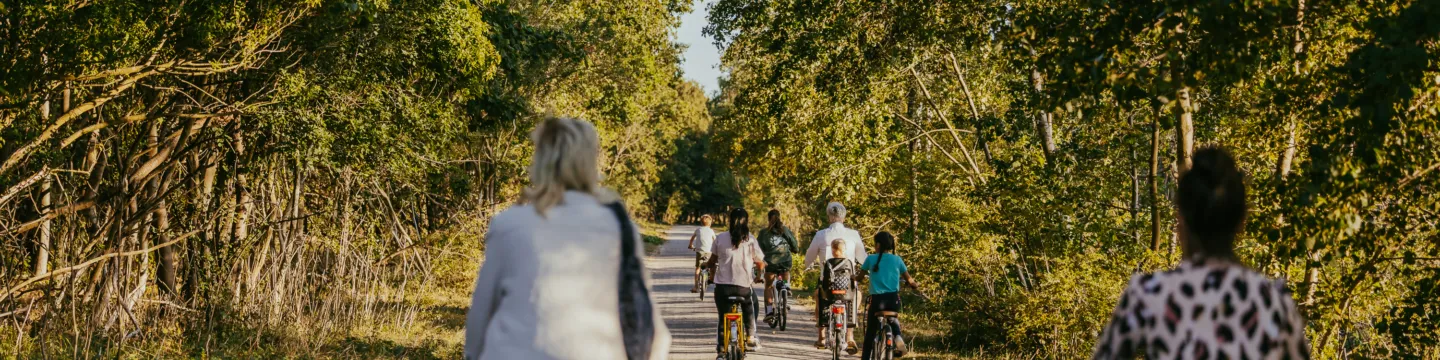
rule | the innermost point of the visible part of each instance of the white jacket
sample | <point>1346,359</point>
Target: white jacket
<point>819,250</point>
<point>549,287</point>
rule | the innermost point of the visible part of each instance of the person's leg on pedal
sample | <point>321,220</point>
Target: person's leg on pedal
<point>699,261</point>
<point>900,348</point>
<point>769,294</point>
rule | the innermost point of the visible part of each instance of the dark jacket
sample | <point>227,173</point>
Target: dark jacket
<point>778,245</point>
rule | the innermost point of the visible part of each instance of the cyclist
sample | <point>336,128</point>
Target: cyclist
<point>841,265</point>
<point>817,254</point>
<point>885,270</point>
<point>706,235</point>
<point>734,252</point>
<point>778,243</point>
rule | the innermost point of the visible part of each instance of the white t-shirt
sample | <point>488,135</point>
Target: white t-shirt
<point>819,251</point>
<point>704,239</point>
<point>734,266</point>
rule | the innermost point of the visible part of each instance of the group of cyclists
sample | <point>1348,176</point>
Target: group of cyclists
<point>524,304</point>
<point>734,259</point>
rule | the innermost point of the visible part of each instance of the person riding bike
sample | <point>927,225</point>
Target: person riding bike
<point>706,235</point>
<point>818,252</point>
<point>838,269</point>
<point>734,252</point>
<point>884,270</point>
<point>778,243</point>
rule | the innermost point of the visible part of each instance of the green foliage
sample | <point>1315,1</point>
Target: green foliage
<point>934,120</point>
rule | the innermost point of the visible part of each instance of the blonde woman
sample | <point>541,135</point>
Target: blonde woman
<point>556,282</point>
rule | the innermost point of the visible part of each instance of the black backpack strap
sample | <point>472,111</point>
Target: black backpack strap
<point>637,322</point>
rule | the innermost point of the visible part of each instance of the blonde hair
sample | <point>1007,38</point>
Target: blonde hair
<point>837,248</point>
<point>567,153</point>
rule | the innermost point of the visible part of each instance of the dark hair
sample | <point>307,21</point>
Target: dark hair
<point>739,224</point>
<point>773,219</point>
<point>1211,201</point>
<point>884,242</point>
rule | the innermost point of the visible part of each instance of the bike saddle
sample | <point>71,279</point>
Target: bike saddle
<point>738,298</point>
<point>889,313</point>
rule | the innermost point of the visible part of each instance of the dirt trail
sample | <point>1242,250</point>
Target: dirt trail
<point>692,322</point>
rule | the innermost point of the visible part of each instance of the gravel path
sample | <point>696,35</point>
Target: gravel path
<point>692,322</point>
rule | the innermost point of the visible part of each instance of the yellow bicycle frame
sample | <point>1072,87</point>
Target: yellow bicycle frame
<point>734,317</point>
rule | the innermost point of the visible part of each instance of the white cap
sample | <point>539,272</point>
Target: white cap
<point>835,210</point>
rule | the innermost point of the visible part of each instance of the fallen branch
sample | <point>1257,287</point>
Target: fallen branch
<point>51,215</point>
<point>45,171</point>
<point>87,263</point>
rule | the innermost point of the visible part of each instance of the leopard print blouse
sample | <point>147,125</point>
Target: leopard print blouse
<point>1200,311</point>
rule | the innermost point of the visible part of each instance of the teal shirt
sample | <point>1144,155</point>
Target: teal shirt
<point>885,279</point>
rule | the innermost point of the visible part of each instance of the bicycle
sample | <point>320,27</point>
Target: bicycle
<point>838,323</point>
<point>733,339</point>
<point>782,303</point>
<point>885,346</point>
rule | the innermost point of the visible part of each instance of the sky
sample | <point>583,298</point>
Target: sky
<point>702,59</point>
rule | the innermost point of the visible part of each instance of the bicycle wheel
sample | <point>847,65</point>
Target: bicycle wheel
<point>772,319</point>
<point>733,350</point>
<point>883,350</point>
<point>836,343</point>
<point>703,274</point>
<point>783,309</point>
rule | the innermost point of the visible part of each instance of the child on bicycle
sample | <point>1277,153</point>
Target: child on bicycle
<point>885,270</point>
<point>837,270</point>
<point>706,235</point>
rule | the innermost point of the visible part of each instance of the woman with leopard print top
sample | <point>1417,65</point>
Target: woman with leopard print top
<point>1211,306</point>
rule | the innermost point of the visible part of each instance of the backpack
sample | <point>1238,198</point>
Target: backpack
<point>840,275</point>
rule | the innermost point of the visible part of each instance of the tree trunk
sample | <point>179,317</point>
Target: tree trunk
<point>208,205</point>
<point>242,202</point>
<point>161,227</point>
<point>1133,226</point>
<point>42,250</point>
<point>1287,155</point>
<point>42,246</point>
<point>1043,120</point>
<point>914,173</point>
<point>1155,184</point>
<point>1184,131</point>
<point>166,267</point>
<point>1312,270</point>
